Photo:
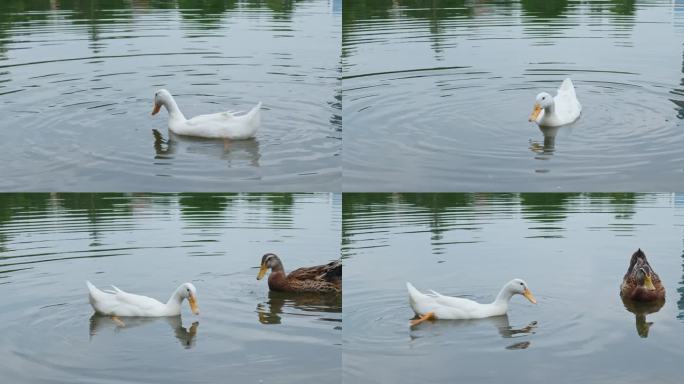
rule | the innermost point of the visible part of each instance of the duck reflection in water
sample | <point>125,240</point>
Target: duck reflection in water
<point>270,311</point>
<point>640,309</point>
<point>501,323</point>
<point>546,149</point>
<point>239,151</point>
<point>186,336</point>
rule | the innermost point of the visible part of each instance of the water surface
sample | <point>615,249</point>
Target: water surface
<point>572,249</point>
<point>436,97</point>
<point>149,244</point>
<point>77,81</point>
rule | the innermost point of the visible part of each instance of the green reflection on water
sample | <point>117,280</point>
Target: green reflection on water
<point>205,204</point>
<point>544,8</point>
<point>437,10</point>
<point>100,208</point>
<point>550,206</point>
<point>206,14</point>
<point>550,210</point>
<point>353,11</point>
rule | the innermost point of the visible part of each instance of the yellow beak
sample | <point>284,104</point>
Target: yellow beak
<point>529,296</point>
<point>156,109</point>
<point>262,271</point>
<point>193,304</point>
<point>648,283</point>
<point>536,112</point>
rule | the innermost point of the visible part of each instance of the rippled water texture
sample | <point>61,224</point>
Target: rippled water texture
<point>51,243</point>
<point>438,98</point>
<point>572,249</point>
<point>77,80</point>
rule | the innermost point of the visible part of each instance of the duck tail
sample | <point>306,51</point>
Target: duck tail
<point>414,294</point>
<point>567,84</point>
<point>254,116</point>
<point>93,292</point>
<point>568,88</point>
<point>333,270</point>
<point>92,288</point>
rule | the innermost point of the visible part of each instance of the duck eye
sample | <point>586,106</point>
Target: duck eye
<point>522,284</point>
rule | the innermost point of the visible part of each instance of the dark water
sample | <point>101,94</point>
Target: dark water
<point>149,244</point>
<point>77,80</point>
<point>572,249</point>
<point>436,96</point>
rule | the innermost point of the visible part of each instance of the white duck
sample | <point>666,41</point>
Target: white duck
<point>434,306</point>
<point>556,111</point>
<point>223,125</point>
<point>119,303</point>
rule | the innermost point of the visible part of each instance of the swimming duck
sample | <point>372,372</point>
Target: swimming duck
<point>556,111</point>
<point>223,125</point>
<point>434,306</point>
<point>119,303</point>
<point>641,283</point>
<point>321,278</point>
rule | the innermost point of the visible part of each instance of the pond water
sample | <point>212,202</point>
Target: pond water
<point>446,90</point>
<point>149,244</point>
<point>571,249</point>
<point>77,80</point>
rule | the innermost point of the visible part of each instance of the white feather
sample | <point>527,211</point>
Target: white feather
<point>447,307</point>
<point>222,125</point>
<point>119,303</point>
<point>562,109</point>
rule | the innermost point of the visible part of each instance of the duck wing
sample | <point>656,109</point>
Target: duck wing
<point>444,307</point>
<point>325,272</point>
<point>143,303</point>
<point>203,120</point>
<point>455,302</point>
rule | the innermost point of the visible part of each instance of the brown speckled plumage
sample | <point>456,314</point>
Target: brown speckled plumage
<point>325,278</point>
<point>633,284</point>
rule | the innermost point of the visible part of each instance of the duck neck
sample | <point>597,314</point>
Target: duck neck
<point>550,108</point>
<point>277,276</point>
<point>503,298</point>
<point>174,112</point>
<point>278,267</point>
<point>173,305</point>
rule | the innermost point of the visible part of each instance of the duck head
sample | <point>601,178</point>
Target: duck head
<point>543,101</point>
<point>519,287</point>
<point>161,97</point>
<point>188,291</point>
<point>637,260</point>
<point>269,260</point>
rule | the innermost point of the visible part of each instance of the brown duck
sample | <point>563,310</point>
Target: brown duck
<point>325,278</point>
<point>641,283</point>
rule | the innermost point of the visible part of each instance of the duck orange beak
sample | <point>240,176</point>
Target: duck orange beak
<point>262,271</point>
<point>529,296</point>
<point>156,109</point>
<point>193,304</point>
<point>535,113</point>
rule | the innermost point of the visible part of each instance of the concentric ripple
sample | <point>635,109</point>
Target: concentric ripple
<point>76,90</point>
<point>438,99</point>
